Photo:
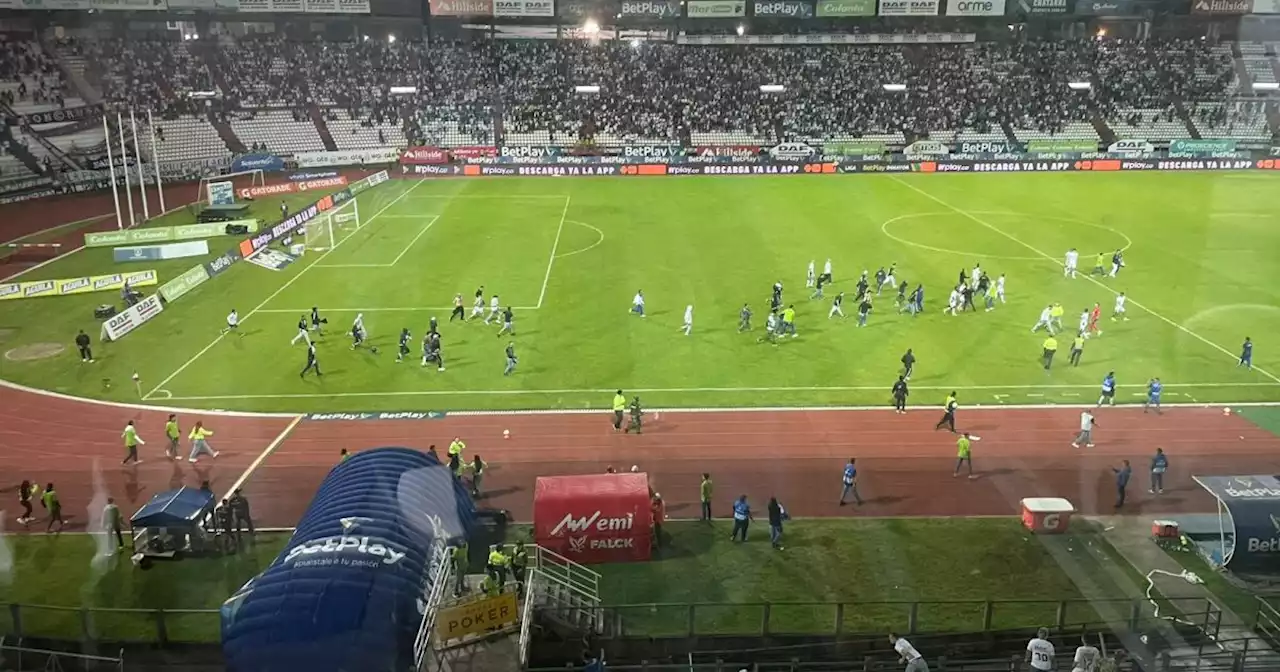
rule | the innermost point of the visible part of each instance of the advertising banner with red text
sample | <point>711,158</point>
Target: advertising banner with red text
<point>291,187</point>
<point>415,156</point>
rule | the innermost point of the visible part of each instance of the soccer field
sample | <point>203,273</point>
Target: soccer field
<point>568,254</point>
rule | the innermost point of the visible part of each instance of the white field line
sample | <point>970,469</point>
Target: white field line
<point>588,248</point>
<point>286,285</point>
<point>1095,281</point>
<point>502,197</point>
<point>411,243</point>
<point>555,247</point>
<point>405,309</point>
<point>262,457</point>
<point>695,390</point>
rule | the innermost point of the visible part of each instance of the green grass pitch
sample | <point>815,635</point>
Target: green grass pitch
<point>568,254</point>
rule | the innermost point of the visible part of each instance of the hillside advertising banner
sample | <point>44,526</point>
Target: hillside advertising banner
<point>517,8</point>
<point>975,7</point>
<point>461,7</point>
<point>650,9</point>
<point>782,9</point>
<point>1222,6</point>
<point>715,9</point>
<point>1106,7</point>
<point>836,8</point>
<point>908,7</point>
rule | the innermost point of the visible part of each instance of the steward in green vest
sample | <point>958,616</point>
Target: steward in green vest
<point>460,566</point>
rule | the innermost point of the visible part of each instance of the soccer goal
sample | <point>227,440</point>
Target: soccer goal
<point>226,186</point>
<point>331,227</point>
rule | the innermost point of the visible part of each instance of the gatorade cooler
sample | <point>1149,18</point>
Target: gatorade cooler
<point>1047,515</point>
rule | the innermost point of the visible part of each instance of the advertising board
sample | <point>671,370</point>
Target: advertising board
<point>594,518</point>
<point>908,7</point>
<point>177,287</point>
<point>650,9</point>
<point>975,7</point>
<point>346,157</point>
<point>715,9</point>
<point>264,162</point>
<point>420,155</point>
<point>838,8</point>
<point>282,188</point>
<point>191,248</point>
<point>135,316</point>
<point>782,9</point>
<point>524,8</point>
<point>66,286</point>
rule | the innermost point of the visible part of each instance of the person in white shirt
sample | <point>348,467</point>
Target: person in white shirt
<point>637,304</point>
<point>1040,651</point>
<point>1000,288</point>
<point>810,279</point>
<point>975,276</point>
<point>953,302</point>
<point>1084,324</point>
<point>1071,263</point>
<point>1046,320</point>
<point>890,278</point>
<point>495,310</point>
<point>477,306</point>
<point>826,270</point>
<point>302,334</point>
<point>1086,432</point>
<point>1087,657</point>
<point>915,662</point>
<point>233,321</point>
<point>688,320</point>
<point>1119,311</point>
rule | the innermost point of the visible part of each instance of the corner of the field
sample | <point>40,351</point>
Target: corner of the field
<point>139,406</point>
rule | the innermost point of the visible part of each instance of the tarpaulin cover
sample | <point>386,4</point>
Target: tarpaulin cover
<point>347,592</point>
<point>594,518</point>
<point>183,507</point>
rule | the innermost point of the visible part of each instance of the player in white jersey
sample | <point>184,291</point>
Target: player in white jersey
<point>688,320</point>
<point>1046,320</point>
<point>890,278</point>
<point>908,654</point>
<point>1000,288</point>
<point>1084,324</point>
<point>953,302</point>
<point>975,276</point>
<point>1119,310</point>
<point>358,334</point>
<point>637,304</point>
<point>1087,657</point>
<point>1070,264</point>
<point>826,270</point>
<point>495,310</point>
<point>1040,651</point>
<point>302,334</point>
<point>810,279</point>
<point>233,321</point>
<point>477,306</point>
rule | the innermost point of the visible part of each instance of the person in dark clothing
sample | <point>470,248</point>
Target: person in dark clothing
<point>948,414</point>
<point>908,364</point>
<point>741,518</point>
<point>776,515</point>
<point>240,512</point>
<point>1122,481</point>
<point>900,393</point>
<point>966,293</point>
<point>24,500</point>
<point>226,525</point>
<point>636,414</point>
<point>82,344</point>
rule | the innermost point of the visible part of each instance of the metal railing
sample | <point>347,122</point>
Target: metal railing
<point>442,581</point>
<point>843,618</point>
<point>526,616</point>
<point>18,657</point>
<point>578,578</point>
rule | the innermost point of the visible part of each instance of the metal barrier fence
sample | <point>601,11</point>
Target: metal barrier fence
<point>195,626</point>
<point>15,657</point>
<point>840,618</point>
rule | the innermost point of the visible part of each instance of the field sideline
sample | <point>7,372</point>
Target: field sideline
<point>568,254</point>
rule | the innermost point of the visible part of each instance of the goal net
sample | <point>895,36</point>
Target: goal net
<point>330,228</point>
<point>240,180</point>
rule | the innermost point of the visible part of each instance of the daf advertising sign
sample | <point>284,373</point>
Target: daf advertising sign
<point>908,7</point>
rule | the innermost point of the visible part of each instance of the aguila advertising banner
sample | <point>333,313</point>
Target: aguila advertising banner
<point>461,7</point>
<point>782,9</point>
<point>1223,6</point>
<point>517,8</point>
<point>838,8</point>
<point>908,7</point>
<point>715,9</point>
<point>650,9</point>
<point>975,7</point>
<point>424,155</point>
<point>1106,7</point>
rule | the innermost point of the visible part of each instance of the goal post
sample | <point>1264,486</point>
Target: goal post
<point>330,228</point>
<point>244,178</point>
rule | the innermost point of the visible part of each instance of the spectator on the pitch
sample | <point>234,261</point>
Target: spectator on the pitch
<point>82,344</point>
<point>240,513</point>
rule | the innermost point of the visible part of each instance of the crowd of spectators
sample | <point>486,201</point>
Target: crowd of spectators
<point>657,90</point>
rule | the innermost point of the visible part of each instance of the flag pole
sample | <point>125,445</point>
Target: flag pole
<point>111,167</point>
<point>155,160</point>
<point>124,168</point>
<point>142,181</point>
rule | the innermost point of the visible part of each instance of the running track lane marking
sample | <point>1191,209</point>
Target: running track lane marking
<point>262,457</point>
<point>1090,278</point>
<point>220,336</point>
<point>555,247</point>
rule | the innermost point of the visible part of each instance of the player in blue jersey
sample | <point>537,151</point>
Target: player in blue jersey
<point>1154,388</point>
<point>1246,354</point>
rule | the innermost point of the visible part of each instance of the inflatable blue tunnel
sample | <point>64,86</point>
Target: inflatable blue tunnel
<point>347,593</point>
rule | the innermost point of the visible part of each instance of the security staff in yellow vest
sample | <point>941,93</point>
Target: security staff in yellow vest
<point>519,564</point>
<point>461,563</point>
<point>619,409</point>
<point>497,566</point>
<point>490,587</point>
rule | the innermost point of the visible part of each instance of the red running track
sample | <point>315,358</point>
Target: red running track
<point>797,456</point>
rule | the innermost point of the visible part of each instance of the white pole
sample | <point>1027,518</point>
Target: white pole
<point>111,166</point>
<point>137,152</point>
<point>124,168</point>
<point>155,160</point>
